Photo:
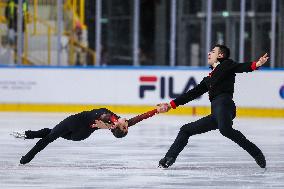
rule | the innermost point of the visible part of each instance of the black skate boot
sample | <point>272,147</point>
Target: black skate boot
<point>166,162</point>
<point>26,159</point>
<point>260,160</point>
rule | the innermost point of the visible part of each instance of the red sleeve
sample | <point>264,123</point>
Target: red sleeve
<point>253,66</point>
<point>113,119</point>
<point>173,104</point>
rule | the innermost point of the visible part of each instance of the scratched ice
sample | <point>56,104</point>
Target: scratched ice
<point>102,161</point>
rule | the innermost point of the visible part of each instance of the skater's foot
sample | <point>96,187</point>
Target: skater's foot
<point>166,162</point>
<point>18,135</point>
<point>260,160</point>
<point>26,159</point>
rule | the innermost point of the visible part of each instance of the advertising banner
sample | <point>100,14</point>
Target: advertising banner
<point>130,86</point>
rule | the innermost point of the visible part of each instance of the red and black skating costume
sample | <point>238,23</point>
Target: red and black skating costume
<point>75,127</point>
<point>220,86</point>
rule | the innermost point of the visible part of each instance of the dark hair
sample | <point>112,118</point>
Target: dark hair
<point>224,50</point>
<point>118,133</point>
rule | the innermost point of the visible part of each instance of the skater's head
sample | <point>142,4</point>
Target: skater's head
<point>119,133</point>
<point>121,128</point>
<point>218,53</point>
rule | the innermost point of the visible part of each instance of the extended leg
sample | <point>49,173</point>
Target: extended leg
<point>37,134</point>
<point>224,119</point>
<point>32,134</point>
<point>58,131</point>
<point>202,125</point>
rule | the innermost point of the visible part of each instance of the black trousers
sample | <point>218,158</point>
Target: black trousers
<point>223,111</point>
<point>49,135</point>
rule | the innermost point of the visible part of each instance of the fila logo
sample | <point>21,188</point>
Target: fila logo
<point>149,84</point>
<point>281,92</point>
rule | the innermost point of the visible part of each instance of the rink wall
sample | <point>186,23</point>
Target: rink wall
<point>131,90</point>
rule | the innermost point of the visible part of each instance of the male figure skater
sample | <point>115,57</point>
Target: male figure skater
<point>75,127</point>
<point>220,85</point>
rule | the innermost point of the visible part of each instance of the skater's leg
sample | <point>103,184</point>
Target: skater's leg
<point>37,134</point>
<point>202,125</point>
<point>32,134</point>
<point>67,136</point>
<point>224,115</point>
<point>58,131</point>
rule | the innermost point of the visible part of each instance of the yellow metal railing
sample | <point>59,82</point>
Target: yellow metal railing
<point>41,52</point>
<point>77,8</point>
<point>77,47</point>
<point>4,31</point>
<point>35,15</point>
<point>2,20</point>
<point>2,12</point>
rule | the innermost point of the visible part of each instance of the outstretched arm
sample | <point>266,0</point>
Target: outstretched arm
<point>229,66</point>
<point>190,95</point>
<point>251,66</point>
<point>138,118</point>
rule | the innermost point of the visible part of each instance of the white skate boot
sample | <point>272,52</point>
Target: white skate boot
<point>19,135</point>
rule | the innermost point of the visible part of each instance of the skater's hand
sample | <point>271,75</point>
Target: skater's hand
<point>163,107</point>
<point>101,125</point>
<point>262,60</point>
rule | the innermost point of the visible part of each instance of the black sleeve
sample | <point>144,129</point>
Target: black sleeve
<point>108,116</point>
<point>229,67</point>
<point>192,94</point>
<point>242,67</point>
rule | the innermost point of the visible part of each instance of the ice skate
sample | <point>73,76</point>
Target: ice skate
<point>260,160</point>
<point>18,135</point>
<point>166,162</point>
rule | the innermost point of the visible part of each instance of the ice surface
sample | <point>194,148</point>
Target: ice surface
<point>102,161</point>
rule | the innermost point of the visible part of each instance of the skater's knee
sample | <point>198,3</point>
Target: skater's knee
<point>46,131</point>
<point>226,132</point>
<point>186,129</point>
<point>183,129</point>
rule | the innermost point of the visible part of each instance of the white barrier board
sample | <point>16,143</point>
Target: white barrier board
<point>130,86</point>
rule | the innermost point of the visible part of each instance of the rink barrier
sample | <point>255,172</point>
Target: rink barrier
<point>133,109</point>
<point>73,89</point>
